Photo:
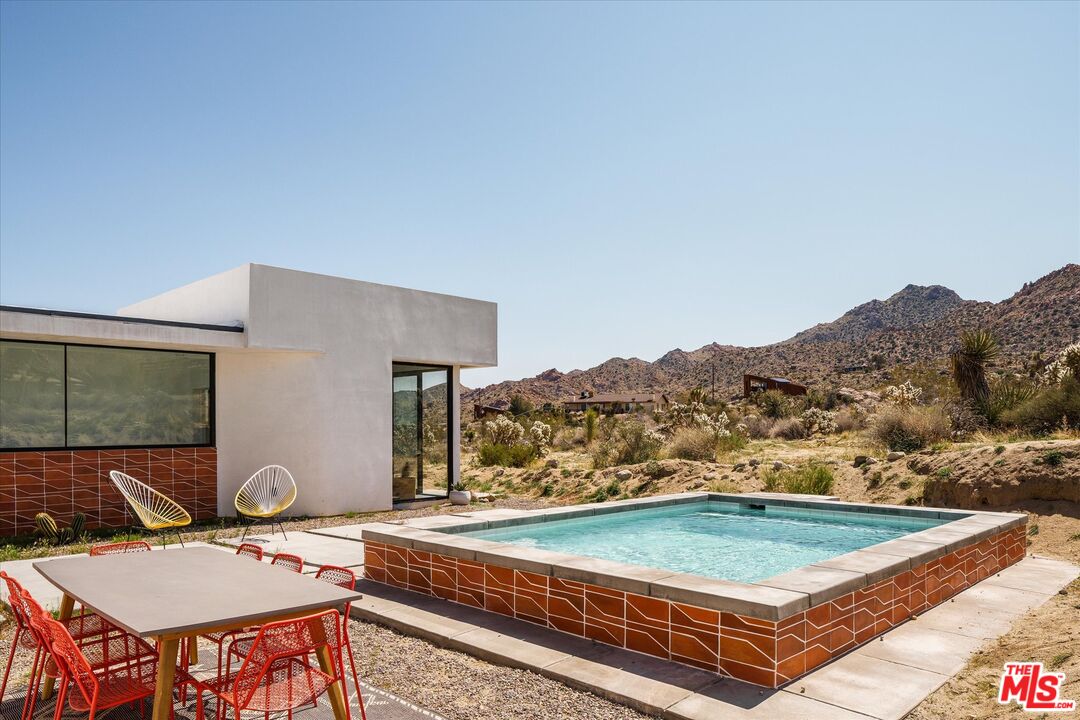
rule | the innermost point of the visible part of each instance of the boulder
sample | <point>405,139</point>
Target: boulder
<point>552,463</point>
<point>860,460</point>
<point>895,455</point>
<point>754,462</point>
<point>623,474</point>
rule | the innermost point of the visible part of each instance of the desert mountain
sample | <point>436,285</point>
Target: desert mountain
<point>917,324</point>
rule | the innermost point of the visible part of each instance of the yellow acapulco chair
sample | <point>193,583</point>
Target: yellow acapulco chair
<point>265,495</point>
<point>156,511</point>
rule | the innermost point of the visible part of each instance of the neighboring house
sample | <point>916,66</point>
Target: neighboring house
<point>618,403</point>
<point>756,383</point>
<point>485,412</point>
<point>353,386</point>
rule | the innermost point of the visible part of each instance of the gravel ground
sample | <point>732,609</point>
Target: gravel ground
<point>462,687</point>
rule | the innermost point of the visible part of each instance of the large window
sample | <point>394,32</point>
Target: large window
<point>82,396</point>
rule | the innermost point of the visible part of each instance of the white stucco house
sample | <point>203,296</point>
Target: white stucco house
<point>351,385</point>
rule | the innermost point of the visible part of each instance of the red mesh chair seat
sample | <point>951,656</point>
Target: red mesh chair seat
<point>289,683</point>
<point>119,685</point>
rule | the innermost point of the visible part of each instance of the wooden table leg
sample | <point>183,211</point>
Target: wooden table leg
<point>168,653</point>
<point>67,605</point>
<point>337,697</point>
<point>193,650</point>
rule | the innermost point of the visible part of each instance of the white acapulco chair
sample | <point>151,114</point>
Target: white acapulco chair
<point>155,511</point>
<point>266,495</point>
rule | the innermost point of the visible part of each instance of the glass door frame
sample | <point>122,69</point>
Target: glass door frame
<point>419,368</point>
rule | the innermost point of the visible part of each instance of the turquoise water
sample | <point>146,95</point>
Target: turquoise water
<point>714,539</point>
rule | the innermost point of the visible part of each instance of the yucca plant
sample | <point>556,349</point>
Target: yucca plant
<point>978,348</point>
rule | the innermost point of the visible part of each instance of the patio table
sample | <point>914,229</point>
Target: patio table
<point>169,595</point>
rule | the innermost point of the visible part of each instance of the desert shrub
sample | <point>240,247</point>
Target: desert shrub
<point>1054,407</point>
<point>1005,395</point>
<point>503,431</point>
<point>818,422</point>
<point>848,419</point>
<point>627,443</point>
<point>732,442</point>
<point>964,419</point>
<point>567,438</point>
<point>1066,366</point>
<point>788,429</point>
<point>520,405</point>
<point>903,395</point>
<point>822,399</point>
<point>506,455</point>
<point>936,385</point>
<point>774,404</point>
<point>693,444</point>
<point>540,436</point>
<point>910,429</point>
<point>755,427</point>
<point>589,423</point>
<point>807,480</point>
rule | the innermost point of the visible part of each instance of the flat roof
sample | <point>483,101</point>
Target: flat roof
<point>238,328</point>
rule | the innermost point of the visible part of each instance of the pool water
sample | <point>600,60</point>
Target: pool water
<point>715,539</point>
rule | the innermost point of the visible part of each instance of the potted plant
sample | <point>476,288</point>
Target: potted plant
<point>459,495</point>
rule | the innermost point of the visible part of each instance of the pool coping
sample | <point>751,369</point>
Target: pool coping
<point>775,598</point>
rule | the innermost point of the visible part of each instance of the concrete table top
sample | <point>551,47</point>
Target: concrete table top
<point>188,591</point>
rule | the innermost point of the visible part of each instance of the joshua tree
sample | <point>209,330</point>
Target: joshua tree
<point>969,361</point>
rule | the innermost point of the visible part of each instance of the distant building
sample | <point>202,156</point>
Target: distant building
<point>483,412</point>
<point>755,383</point>
<point>617,403</point>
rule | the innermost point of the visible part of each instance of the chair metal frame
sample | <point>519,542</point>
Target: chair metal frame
<point>120,548</point>
<point>155,511</point>
<point>281,647</point>
<point>289,561</point>
<point>249,550</point>
<point>264,496</point>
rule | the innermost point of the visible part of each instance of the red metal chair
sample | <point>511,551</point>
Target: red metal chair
<point>99,687</point>
<point>82,627</point>
<point>343,578</point>
<point>276,675</point>
<point>120,548</point>
<point>104,651</point>
<point>248,550</point>
<point>289,562</point>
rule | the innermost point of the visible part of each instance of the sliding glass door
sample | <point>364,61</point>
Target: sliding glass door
<point>422,407</point>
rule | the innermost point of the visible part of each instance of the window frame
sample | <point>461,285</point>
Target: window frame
<point>211,410</point>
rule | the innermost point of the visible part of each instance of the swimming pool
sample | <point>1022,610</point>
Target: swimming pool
<point>760,587</point>
<point>725,540</point>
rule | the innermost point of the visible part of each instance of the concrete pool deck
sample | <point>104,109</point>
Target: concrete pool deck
<point>883,679</point>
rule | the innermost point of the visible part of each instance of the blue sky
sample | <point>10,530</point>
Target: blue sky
<point>621,179</point>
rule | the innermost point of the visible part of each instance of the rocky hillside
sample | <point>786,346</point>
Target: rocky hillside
<point>917,324</point>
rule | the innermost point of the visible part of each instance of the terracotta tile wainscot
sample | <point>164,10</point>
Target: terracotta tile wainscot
<point>63,482</point>
<point>767,633</point>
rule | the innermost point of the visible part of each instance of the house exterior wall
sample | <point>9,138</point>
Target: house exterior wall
<point>312,389</point>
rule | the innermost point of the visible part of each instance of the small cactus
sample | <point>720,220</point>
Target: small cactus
<point>47,526</point>
<point>78,525</point>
